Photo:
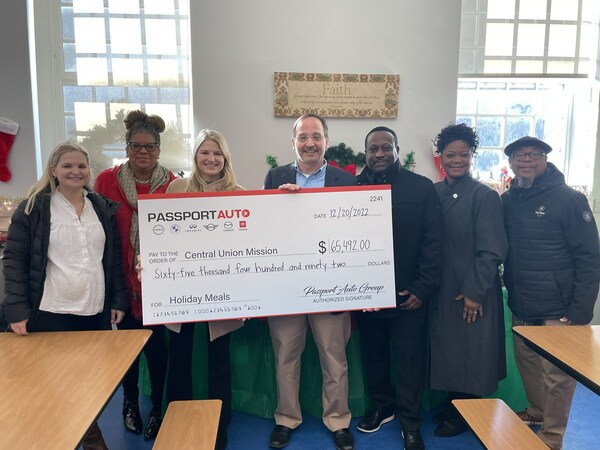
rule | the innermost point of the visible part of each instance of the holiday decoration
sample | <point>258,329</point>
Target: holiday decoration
<point>8,131</point>
<point>438,165</point>
<point>409,162</point>
<point>272,161</point>
<point>343,157</point>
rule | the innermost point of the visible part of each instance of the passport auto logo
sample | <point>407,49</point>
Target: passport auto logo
<point>180,216</point>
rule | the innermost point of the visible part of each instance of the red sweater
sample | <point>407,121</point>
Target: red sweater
<point>108,185</point>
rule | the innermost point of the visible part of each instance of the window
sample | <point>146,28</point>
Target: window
<point>528,37</point>
<point>98,59</point>
<point>502,111</point>
<point>527,67</point>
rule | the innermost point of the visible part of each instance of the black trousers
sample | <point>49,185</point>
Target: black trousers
<point>179,382</point>
<point>47,321</point>
<point>407,334</point>
<point>155,352</point>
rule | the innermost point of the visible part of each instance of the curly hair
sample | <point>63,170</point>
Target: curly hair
<point>458,132</point>
<point>138,122</point>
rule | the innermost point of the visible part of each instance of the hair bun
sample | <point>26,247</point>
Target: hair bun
<point>136,117</point>
<point>157,122</point>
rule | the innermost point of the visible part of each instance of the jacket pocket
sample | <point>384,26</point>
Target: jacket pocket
<point>539,295</point>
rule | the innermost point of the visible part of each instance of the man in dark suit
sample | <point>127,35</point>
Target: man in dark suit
<point>416,218</point>
<point>331,331</point>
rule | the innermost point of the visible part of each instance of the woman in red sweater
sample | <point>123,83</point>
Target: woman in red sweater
<point>141,174</point>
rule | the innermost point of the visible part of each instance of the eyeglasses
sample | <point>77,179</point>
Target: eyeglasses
<point>305,137</point>
<point>387,148</point>
<point>520,156</point>
<point>150,148</point>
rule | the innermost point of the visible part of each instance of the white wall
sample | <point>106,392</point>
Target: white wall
<point>237,45</point>
<point>15,97</point>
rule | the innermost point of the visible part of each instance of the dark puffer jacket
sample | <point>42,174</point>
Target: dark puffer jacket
<point>26,257</point>
<point>553,265</point>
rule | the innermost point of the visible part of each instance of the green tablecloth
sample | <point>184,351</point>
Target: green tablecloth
<point>253,373</point>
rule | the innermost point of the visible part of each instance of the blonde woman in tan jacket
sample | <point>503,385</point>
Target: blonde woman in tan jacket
<point>212,172</point>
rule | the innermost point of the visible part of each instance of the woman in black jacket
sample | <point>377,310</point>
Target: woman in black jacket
<point>62,261</point>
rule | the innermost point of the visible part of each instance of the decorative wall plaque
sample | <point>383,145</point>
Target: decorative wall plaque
<point>336,95</point>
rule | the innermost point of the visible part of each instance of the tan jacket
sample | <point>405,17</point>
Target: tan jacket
<point>217,328</point>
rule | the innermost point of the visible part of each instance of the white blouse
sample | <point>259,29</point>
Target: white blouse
<point>74,273</point>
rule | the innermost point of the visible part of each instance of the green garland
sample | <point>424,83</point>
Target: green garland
<point>409,160</point>
<point>272,161</point>
<point>344,155</point>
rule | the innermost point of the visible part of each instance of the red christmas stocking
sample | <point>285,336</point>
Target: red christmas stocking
<point>8,130</point>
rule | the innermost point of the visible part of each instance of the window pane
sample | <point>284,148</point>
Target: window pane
<point>125,36</point>
<point>491,103</point>
<point>516,128</point>
<point>162,72</point>
<point>559,67</point>
<point>497,66</point>
<point>88,6</point>
<point>88,115</point>
<point>499,39</point>
<point>92,71</point>
<point>468,31</point>
<point>89,35</point>
<point>501,9</point>
<point>489,130</point>
<point>562,40</point>
<point>109,94</point>
<point>128,72</point>
<point>69,57</point>
<point>467,102</point>
<point>144,95</point>
<point>159,7</point>
<point>124,6</point>
<point>531,39</point>
<point>161,37</point>
<point>563,10</point>
<point>485,161</point>
<point>532,9</point>
<point>68,30</point>
<point>174,95</point>
<point>529,67</point>
<point>73,94</point>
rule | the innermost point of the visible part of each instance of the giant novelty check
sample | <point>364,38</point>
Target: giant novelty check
<point>211,256</point>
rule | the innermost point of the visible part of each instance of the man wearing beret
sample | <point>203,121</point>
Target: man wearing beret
<point>552,273</point>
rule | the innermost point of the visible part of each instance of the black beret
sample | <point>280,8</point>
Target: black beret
<point>527,141</point>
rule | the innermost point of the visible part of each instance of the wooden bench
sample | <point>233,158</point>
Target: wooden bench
<point>496,426</point>
<point>189,425</point>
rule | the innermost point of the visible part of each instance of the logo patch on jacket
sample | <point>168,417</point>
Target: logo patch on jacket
<point>587,216</point>
<point>541,211</point>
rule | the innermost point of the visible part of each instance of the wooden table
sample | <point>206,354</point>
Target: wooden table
<point>574,349</point>
<point>53,386</point>
<point>189,425</point>
<point>496,426</point>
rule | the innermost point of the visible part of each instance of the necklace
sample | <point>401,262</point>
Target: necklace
<point>141,181</point>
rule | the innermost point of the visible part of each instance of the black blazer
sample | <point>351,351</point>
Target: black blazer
<point>287,174</point>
